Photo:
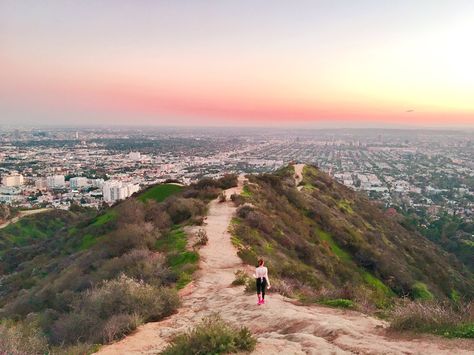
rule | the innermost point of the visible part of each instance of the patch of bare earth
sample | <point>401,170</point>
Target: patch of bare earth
<point>280,325</point>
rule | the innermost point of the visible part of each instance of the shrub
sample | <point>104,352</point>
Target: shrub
<point>21,338</point>
<point>76,349</point>
<point>241,278</point>
<point>237,199</point>
<point>222,197</point>
<point>228,181</point>
<point>420,292</point>
<point>339,303</point>
<point>139,264</point>
<point>128,237</point>
<point>72,328</point>
<point>443,318</point>
<point>201,238</point>
<point>212,336</point>
<point>181,209</point>
<point>120,325</point>
<point>127,296</point>
<point>113,309</point>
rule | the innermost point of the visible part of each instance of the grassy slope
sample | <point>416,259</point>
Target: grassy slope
<point>160,192</point>
<point>329,237</point>
<point>63,249</point>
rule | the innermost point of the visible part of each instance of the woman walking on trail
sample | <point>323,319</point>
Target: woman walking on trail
<point>261,275</point>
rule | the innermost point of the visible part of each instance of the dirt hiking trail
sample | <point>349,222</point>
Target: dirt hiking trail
<point>280,325</point>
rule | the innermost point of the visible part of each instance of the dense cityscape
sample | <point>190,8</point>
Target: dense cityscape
<point>430,171</point>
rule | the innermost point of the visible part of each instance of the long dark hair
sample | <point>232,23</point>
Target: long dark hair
<point>260,262</point>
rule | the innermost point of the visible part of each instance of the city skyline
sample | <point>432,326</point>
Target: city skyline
<point>237,63</point>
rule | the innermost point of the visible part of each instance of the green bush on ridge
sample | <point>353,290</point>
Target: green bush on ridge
<point>212,336</point>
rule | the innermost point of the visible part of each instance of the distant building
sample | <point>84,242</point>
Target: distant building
<point>97,183</point>
<point>56,181</point>
<point>78,182</point>
<point>134,156</point>
<point>41,184</point>
<point>116,190</point>
<point>13,180</point>
<point>10,194</point>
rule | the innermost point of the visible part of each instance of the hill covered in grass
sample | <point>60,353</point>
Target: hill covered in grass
<point>71,279</point>
<point>325,242</point>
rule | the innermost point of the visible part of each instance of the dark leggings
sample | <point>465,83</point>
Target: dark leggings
<point>261,286</point>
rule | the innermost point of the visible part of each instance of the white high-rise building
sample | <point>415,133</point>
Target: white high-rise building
<point>55,181</point>
<point>78,182</point>
<point>115,190</point>
<point>13,180</point>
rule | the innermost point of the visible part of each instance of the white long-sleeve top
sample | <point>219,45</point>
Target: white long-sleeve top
<point>262,272</point>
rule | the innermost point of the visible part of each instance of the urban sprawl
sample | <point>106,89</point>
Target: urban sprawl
<point>430,170</point>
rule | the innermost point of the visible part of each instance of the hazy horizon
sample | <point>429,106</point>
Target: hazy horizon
<point>310,64</point>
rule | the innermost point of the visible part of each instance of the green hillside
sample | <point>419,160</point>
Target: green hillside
<point>71,279</point>
<point>329,242</point>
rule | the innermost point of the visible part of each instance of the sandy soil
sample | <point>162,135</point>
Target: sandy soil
<point>280,325</point>
<point>298,175</point>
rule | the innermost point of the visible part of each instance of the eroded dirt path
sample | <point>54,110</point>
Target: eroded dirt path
<point>298,175</point>
<point>280,326</point>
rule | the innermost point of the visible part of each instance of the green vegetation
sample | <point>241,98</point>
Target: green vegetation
<point>327,242</point>
<point>338,303</point>
<point>421,292</point>
<point>173,241</point>
<point>105,218</point>
<point>376,284</point>
<point>246,191</point>
<point>182,261</point>
<point>345,206</point>
<point>39,226</point>
<point>71,279</point>
<point>212,336</point>
<point>160,192</point>
<point>341,254</point>
<point>450,232</point>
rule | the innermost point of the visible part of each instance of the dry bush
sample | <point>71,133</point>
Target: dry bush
<point>130,211</point>
<point>201,238</point>
<point>222,197</point>
<point>181,209</point>
<point>430,315</point>
<point>227,181</point>
<point>237,199</point>
<point>128,237</point>
<point>155,213</point>
<point>139,264</point>
<point>21,338</point>
<point>119,325</point>
<point>102,305</point>
<point>72,328</point>
<point>128,296</point>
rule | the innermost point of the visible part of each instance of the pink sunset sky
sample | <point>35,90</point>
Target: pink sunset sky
<point>378,63</point>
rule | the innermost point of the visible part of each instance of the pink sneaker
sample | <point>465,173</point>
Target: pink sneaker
<point>262,301</point>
